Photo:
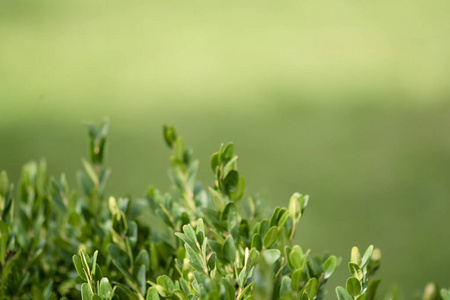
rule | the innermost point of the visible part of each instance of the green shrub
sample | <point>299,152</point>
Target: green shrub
<point>192,243</point>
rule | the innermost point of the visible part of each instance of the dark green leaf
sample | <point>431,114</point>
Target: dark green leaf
<point>229,250</point>
<point>169,135</point>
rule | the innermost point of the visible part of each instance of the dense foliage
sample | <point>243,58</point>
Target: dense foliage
<point>191,243</point>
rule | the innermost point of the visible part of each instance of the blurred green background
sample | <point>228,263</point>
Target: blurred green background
<point>346,101</point>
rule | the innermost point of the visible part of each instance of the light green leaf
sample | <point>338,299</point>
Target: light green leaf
<point>355,256</point>
<point>296,257</point>
<point>356,271</point>
<point>91,172</point>
<point>218,199</point>
<point>329,266</point>
<point>152,294</point>
<point>294,207</point>
<point>105,289</point>
<point>283,219</point>
<point>366,257</point>
<point>311,288</point>
<point>445,294</point>
<point>343,294</point>
<point>296,278</point>
<point>271,255</point>
<point>86,292</point>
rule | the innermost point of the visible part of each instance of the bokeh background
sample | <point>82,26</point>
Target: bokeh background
<point>344,100</point>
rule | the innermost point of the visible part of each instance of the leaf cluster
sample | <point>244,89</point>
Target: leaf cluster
<point>193,242</point>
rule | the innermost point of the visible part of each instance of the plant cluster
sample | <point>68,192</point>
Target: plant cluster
<point>192,243</point>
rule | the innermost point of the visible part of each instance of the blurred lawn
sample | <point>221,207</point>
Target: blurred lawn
<point>345,101</point>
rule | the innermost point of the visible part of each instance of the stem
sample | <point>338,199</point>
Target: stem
<point>2,286</point>
<point>291,238</point>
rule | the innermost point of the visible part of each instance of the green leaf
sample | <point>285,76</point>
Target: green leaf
<point>169,135</point>
<point>105,290</point>
<point>271,255</point>
<point>297,277</point>
<point>311,288</point>
<point>244,291</point>
<point>120,260</point>
<point>215,161</point>
<point>229,288</point>
<point>372,289</point>
<point>90,172</point>
<point>227,153</point>
<point>143,259</point>
<point>229,217</point>
<point>218,199</point>
<point>230,182</point>
<point>366,257</point>
<point>283,219</point>
<point>296,257</point>
<point>270,237</point>
<point>96,297</point>
<point>356,256</point>
<point>445,294</point>
<point>4,236</point>
<point>256,242</point>
<point>362,297</point>
<point>86,292</point>
<point>79,267</point>
<point>329,266</point>
<point>356,271</point>
<point>239,189</point>
<point>285,286</point>
<point>295,207</point>
<point>252,260</point>
<point>195,259</point>
<point>178,149</point>
<point>353,286</point>
<point>94,262</point>
<point>180,295</point>
<point>4,183</point>
<point>190,234</point>
<point>140,279</point>
<point>229,249</point>
<point>212,261</point>
<point>342,294</point>
<point>152,294</point>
